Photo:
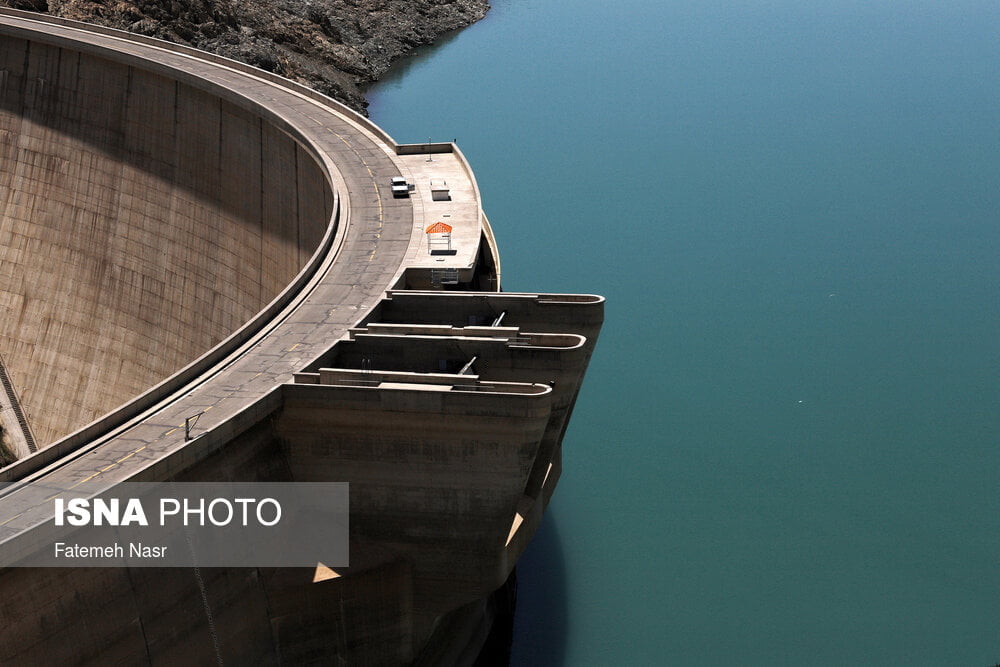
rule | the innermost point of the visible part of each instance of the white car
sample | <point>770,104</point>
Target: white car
<point>399,187</point>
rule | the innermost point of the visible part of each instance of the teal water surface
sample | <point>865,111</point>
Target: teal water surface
<point>787,447</point>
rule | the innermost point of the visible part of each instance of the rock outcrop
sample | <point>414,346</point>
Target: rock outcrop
<point>334,46</point>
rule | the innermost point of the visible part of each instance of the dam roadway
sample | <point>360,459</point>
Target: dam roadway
<point>284,377</point>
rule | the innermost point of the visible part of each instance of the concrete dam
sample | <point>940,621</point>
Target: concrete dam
<point>206,275</point>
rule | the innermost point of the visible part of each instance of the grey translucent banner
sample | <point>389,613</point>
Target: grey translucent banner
<point>224,524</point>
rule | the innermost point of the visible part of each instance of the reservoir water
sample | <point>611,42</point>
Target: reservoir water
<point>787,448</point>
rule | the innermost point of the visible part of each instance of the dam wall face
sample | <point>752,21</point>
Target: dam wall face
<point>142,221</point>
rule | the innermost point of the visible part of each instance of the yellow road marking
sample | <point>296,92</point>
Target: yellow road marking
<point>86,480</point>
<point>4,523</point>
<point>102,470</point>
<point>109,467</point>
<point>133,452</point>
<point>378,193</point>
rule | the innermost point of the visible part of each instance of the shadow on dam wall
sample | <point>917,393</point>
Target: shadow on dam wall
<point>142,221</point>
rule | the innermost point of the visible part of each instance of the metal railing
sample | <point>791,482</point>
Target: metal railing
<point>15,404</point>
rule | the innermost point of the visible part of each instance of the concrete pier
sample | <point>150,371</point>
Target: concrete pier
<point>182,235</point>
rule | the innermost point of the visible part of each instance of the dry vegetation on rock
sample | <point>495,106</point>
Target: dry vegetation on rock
<point>331,45</point>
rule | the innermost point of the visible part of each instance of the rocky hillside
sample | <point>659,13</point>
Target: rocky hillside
<point>332,45</point>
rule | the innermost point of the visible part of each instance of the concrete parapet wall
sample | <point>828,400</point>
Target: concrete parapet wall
<point>173,216</point>
<point>556,313</point>
<point>491,247</point>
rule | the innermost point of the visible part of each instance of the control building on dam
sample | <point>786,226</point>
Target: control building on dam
<point>208,274</point>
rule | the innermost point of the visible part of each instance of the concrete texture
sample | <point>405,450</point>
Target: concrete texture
<point>227,246</point>
<point>172,215</point>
